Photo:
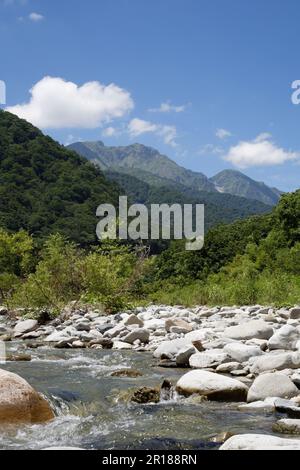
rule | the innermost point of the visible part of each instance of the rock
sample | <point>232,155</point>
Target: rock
<point>227,367</point>
<point>213,386</point>
<point>295,313</point>
<point>285,338</point>
<point>261,343</point>
<point>83,326</point>
<point>58,336</point>
<point>5,338</point>
<point>287,426</point>
<point>133,320</point>
<point>198,345</point>
<point>65,343</point>
<point>221,438</point>
<point>120,346</point>
<point>211,358</point>
<point>241,352</point>
<point>169,349</point>
<point>146,395</point>
<point>271,385</point>
<point>140,334</point>
<point>20,403</point>
<point>24,327</point>
<point>253,329</point>
<point>155,324</point>
<point>288,407</point>
<point>260,442</point>
<point>18,357</point>
<point>276,362</point>
<point>33,335</point>
<point>239,373</point>
<point>115,331</point>
<point>260,406</point>
<point>174,325</point>
<point>103,328</point>
<point>130,373</point>
<point>183,356</point>
<point>78,345</point>
<point>3,311</point>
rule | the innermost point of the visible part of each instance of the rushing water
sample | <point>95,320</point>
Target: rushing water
<point>93,414</point>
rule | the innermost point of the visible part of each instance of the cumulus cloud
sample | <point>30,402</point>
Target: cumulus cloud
<point>223,133</point>
<point>57,104</point>
<point>36,17</point>
<point>261,151</point>
<point>167,107</point>
<point>110,132</point>
<point>139,127</point>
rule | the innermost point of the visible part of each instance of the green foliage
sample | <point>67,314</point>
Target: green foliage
<point>45,188</point>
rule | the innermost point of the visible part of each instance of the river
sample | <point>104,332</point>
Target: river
<point>93,414</point>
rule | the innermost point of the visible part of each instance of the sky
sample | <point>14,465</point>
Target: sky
<point>206,82</point>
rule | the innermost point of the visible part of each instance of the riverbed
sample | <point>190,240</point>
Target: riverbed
<point>92,411</point>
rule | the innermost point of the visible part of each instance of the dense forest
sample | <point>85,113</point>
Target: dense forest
<point>48,254</point>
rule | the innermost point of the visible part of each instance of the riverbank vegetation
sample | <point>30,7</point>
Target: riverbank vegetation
<point>248,262</point>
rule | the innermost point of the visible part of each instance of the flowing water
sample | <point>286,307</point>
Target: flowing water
<point>93,413</point>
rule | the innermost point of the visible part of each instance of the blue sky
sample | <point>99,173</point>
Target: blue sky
<point>207,82</point>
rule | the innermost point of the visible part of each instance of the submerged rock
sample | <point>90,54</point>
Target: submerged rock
<point>131,373</point>
<point>20,403</point>
<point>213,386</point>
<point>287,426</point>
<point>146,395</point>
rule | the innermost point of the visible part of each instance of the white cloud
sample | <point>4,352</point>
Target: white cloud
<point>36,17</point>
<point>57,104</point>
<point>223,133</point>
<point>139,127</point>
<point>110,132</point>
<point>167,107</point>
<point>211,149</point>
<point>71,139</point>
<point>259,152</point>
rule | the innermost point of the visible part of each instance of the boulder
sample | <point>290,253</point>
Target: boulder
<point>140,334</point>
<point>170,349</point>
<point>20,403</point>
<point>183,356</point>
<point>257,329</point>
<point>260,442</point>
<point>295,313</point>
<point>227,367</point>
<point>211,358</point>
<point>241,352</point>
<point>289,408</point>
<point>24,327</point>
<point>271,385</point>
<point>276,362</point>
<point>287,426</point>
<point>120,346</point>
<point>133,320</point>
<point>212,386</point>
<point>174,325</point>
<point>285,338</point>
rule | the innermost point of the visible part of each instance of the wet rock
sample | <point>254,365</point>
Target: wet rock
<point>213,386</point>
<point>140,334</point>
<point>260,442</point>
<point>146,395</point>
<point>106,343</point>
<point>18,357</point>
<point>287,426</point>
<point>258,406</point>
<point>24,327</point>
<point>130,373</point>
<point>276,362</point>
<point>253,329</point>
<point>183,356</point>
<point>287,407</point>
<point>241,352</point>
<point>167,364</point>
<point>20,403</point>
<point>285,338</point>
<point>271,385</point>
<point>222,437</point>
<point>208,359</point>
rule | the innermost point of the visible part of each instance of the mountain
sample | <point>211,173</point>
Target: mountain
<point>238,184</point>
<point>45,188</point>
<point>137,158</point>
<point>148,165</point>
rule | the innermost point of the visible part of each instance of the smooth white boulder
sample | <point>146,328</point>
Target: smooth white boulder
<point>241,352</point>
<point>169,349</point>
<point>285,338</point>
<point>213,386</point>
<point>208,359</point>
<point>260,442</point>
<point>271,385</point>
<point>253,329</point>
<point>24,327</point>
<point>277,362</point>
